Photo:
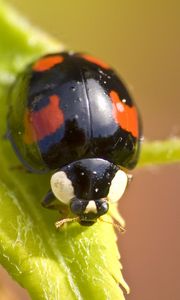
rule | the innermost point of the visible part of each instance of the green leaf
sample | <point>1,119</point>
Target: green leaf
<point>75,262</point>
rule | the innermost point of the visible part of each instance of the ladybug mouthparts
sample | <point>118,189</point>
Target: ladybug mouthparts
<point>89,210</point>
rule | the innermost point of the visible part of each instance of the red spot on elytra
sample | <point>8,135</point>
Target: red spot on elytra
<point>46,63</point>
<point>39,124</point>
<point>95,61</point>
<point>124,115</point>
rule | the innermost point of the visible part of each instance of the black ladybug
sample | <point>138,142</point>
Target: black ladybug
<point>70,113</point>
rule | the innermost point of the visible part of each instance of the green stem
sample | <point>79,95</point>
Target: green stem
<point>160,152</point>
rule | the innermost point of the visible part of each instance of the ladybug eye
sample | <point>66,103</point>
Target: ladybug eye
<point>118,186</point>
<point>78,206</point>
<point>62,187</point>
<point>102,207</point>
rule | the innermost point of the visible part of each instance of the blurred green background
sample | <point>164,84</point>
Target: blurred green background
<point>141,40</point>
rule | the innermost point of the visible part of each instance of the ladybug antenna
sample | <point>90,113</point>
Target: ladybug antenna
<point>117,226</point>
<point>60,223</point>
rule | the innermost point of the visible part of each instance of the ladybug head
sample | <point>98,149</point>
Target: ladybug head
<point>87,186</point>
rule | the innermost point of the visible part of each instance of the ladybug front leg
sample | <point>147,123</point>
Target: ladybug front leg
<point>51,202</point>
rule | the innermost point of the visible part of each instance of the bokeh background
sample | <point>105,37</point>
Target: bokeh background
<point>141,39</point>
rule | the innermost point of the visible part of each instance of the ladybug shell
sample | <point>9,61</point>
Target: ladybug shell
<point>66,107</point>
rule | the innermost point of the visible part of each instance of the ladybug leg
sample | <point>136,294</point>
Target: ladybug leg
<point>50,201</point>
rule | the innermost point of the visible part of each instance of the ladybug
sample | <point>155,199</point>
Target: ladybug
<point>71,114</point>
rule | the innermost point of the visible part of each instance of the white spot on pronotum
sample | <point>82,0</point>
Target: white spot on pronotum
<point>96,190</point>
<point>91,207</point>
<point>118,186</point>
<point>62,187</point>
